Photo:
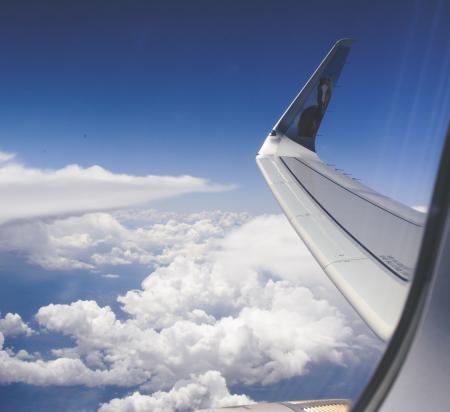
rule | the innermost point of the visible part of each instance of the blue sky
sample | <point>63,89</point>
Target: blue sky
<point>175,88</point>
<point>193,88</point>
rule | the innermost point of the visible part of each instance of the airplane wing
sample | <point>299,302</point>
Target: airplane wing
<point>356,234</point>
<point>323,405</point>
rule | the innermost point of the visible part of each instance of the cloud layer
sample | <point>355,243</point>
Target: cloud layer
<point>230,299</point>
<point>6,156</point>
<point>37,193</point>
<point>97,241</point>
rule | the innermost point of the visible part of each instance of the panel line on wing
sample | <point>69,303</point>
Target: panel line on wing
<point>403,278</point>
<point>353,193</point>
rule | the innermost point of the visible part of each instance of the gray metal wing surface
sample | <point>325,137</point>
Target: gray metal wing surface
<point>365,242</point>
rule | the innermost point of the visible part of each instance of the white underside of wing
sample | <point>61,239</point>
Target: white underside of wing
<point>374,291</point>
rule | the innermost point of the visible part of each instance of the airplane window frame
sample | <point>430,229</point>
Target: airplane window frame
<point>395,355</point>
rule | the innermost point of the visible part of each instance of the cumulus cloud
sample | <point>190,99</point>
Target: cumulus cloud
<point>205,391</point>
<point>38,193</point>
<point>12,325</point>
<point>96,240</point>
<point>61,371</point>
<point>227,293</point>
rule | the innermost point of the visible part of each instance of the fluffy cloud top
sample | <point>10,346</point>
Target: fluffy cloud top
<point>35,193</point>
<point>227,293</point>
<point>204,391</point>
<point>98,240</point>
<point>12,325</point>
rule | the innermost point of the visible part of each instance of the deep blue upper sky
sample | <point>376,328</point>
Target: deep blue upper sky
<point>179,87</point>
<point>193,87</point>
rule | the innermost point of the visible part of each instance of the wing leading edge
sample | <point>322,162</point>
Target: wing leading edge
<point>365,242</point>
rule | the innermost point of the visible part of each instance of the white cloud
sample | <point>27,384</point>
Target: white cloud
<point>61,371</point>
<point>6,156</point>
<point>12,325</point>
<point>244,299</point>
<point>38,193</point>
<point>421,208</point>
<point>205,391</point>
<point>96,240</point>
<point>110,276</point>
